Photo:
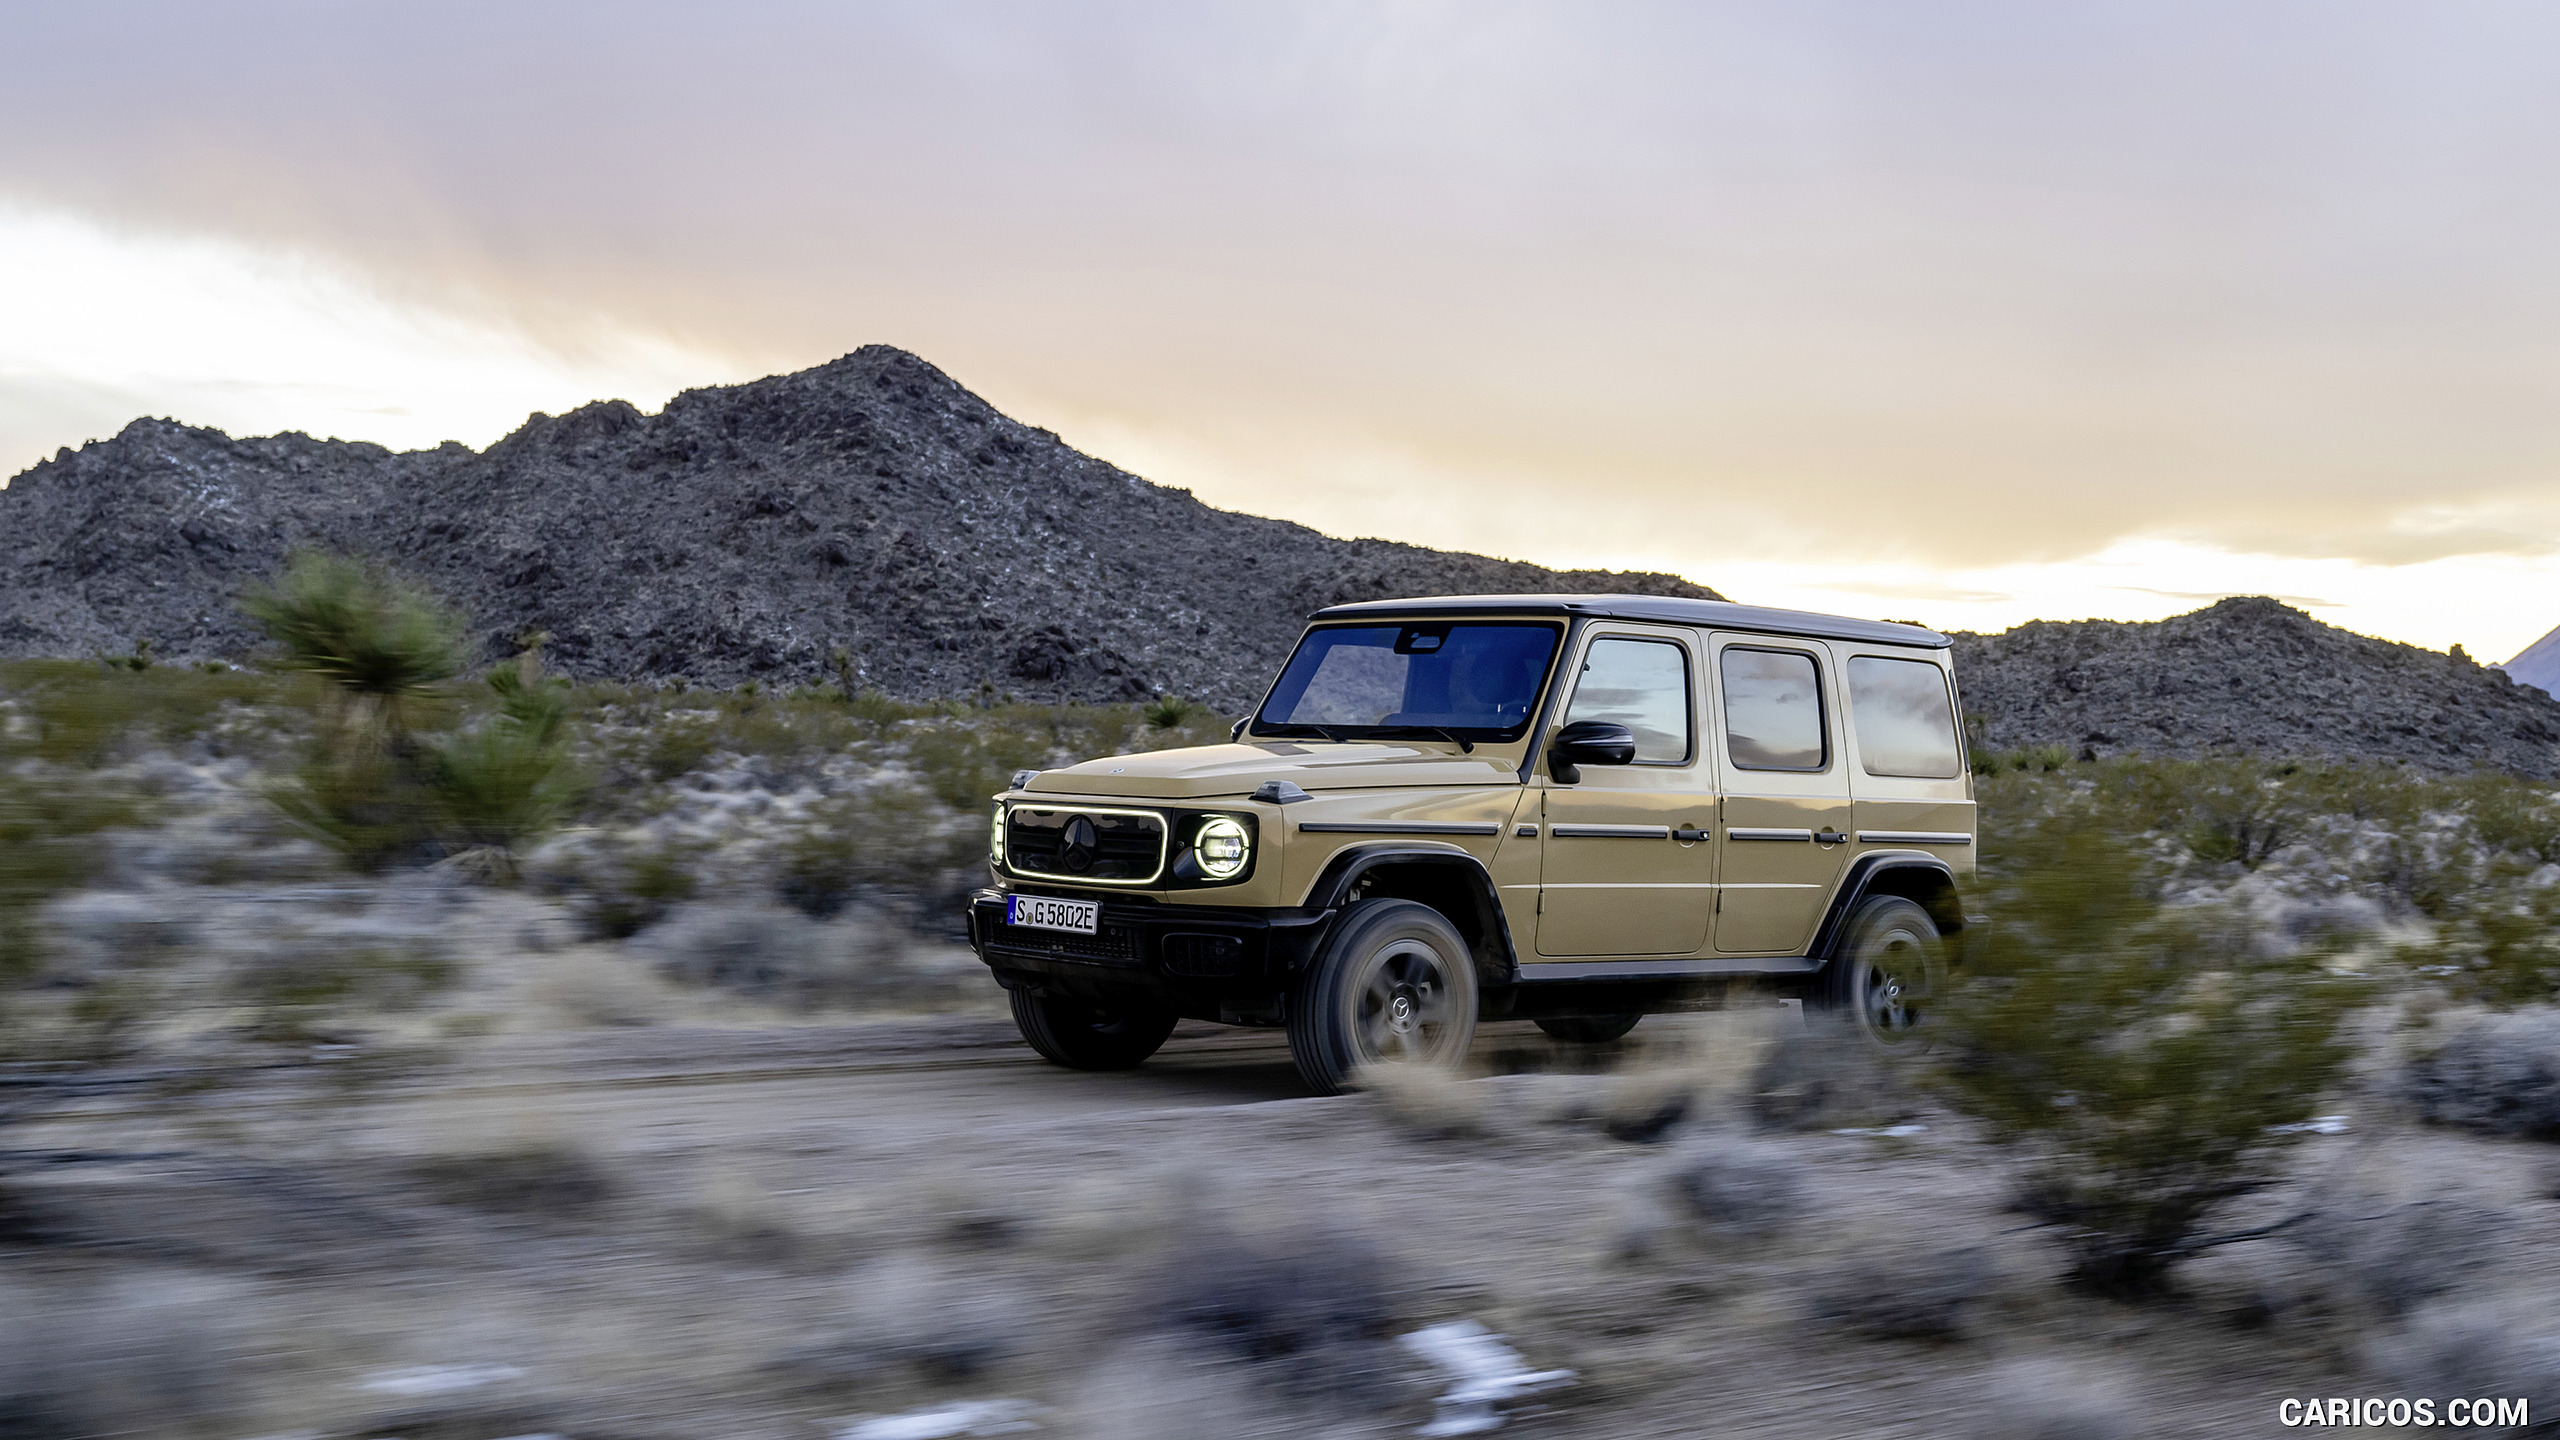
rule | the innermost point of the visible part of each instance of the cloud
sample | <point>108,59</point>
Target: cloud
<point>1698,287</point>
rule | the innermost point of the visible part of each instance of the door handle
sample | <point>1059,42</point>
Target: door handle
<point>1828,836</point>
<point>1687,836</point>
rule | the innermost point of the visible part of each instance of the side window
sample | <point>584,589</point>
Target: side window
<point>1643,685</point>
<point>1906,724</point>
<point>1773,710</point>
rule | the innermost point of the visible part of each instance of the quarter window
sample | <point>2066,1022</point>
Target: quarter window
<point>1906,724</point>
<point>1773,710</point>
<point>1643,685</point>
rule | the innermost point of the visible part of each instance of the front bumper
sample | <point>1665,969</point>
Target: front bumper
<point>1202,958</point>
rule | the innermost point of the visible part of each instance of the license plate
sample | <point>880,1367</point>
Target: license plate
<point>1044,912</point>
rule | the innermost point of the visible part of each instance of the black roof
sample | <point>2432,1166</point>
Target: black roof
<point>1712,614</point>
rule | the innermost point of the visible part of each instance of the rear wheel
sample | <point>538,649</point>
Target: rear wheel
<point>1396,986</point>
<point>1886,970</point>
<point>1589,1029</point>
<point>1085,1035</point>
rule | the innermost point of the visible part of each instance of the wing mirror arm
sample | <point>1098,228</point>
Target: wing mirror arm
<point>1588,742</point>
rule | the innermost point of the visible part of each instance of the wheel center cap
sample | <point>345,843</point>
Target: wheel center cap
<point>1400,1012</point>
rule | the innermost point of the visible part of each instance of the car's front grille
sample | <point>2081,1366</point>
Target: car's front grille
<point>1085,844</point>
<point>1115,945</point>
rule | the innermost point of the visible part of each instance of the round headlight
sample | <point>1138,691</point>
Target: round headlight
<point>995,836</point>
<point>1222,847</point>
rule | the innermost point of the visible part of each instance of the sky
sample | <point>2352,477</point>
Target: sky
<point>1968,313</point>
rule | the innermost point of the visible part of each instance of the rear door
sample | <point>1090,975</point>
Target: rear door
<point>1627,864</point>
<point>1785,830</point>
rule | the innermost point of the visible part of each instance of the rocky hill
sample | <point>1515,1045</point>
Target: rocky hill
<point>2250,674</point>
<point>746,532</point>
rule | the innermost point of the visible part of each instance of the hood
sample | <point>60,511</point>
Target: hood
<point>1207,770</point>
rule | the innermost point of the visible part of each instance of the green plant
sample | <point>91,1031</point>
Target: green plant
<point>2138,1057</point>
<point>367,804</point>
<point>510,778</point>
<point>377,638</point>
<point>1167,712</point>
<point>2497,944</point>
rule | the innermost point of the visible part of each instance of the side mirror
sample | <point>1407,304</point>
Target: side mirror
<point>1589,742</point>
<point>1236,731</point>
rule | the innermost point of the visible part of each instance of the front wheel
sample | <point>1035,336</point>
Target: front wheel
<point>1083,1035</point>
<point>1888,966</point>
<point>1396,986</point>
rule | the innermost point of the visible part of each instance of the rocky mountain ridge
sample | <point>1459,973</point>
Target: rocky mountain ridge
<point>2250,674</point>
<point>870,506</point>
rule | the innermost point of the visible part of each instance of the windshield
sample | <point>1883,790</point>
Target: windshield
<point>1468,681</point>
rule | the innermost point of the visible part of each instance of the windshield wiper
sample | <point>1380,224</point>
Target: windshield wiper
<point>1465,745</point>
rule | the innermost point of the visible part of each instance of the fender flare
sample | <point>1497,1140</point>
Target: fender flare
<point>1860,882</point>
<point>1497,961</point>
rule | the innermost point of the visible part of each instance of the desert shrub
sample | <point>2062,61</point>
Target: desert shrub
<point>625,889</point>
<point>82,714</point>
<point>2512,815</point>
<point>2137,1056</point>
<point>907,1318</point>
<point>1728,1187</point>
<point>1905,1291</point>
<point>964,766</point>
<point>364,802</point>
<point>294,989</point>
<point>2392,1258</point>
<point>367,632</point>
<point>2495,944</point>
<point>2507,1347</point>
<point>1168,712</point>
<point>676,745</point>
<point>529,1177</point>
<point>509,778</point>
<point>1305,1311</point>
<point>891,844</point>
<point>771,954</point>
<point>2498,1074</point>
<point>1827,1077</point>
<point>49,829</point>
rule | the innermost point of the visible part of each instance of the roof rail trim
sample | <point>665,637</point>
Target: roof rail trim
<point>1666,610</point>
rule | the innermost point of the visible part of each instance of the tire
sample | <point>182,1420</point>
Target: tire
<point>1589,1029</point>
<point>1395,985</point>
<point>1888,966</point>
<point>1083,1035</point>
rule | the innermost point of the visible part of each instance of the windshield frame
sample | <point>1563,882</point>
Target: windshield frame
<point>1465,736</point>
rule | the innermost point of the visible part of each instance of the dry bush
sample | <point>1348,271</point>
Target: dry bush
<point>1684,1069</point>
<point>1307,1314</point>
<point>2507,1347</point>
<point>2499,1074</point>
<point>147,1356</point>
<point>1904,1290</point>
<point>2140,1058</point>
<point>906,1319</point>
<point>1157,1388</point>
<point>1827,1076</point>
<point>601,991</point>
<point>2390,1258</point>
<point>1721,1189</point>
<point>511,1159</point>
<point>779,956</point>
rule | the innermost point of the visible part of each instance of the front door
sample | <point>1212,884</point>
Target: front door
<point>1785,831</point>
<point>1627,862</point>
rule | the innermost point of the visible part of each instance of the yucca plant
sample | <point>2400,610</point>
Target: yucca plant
<point>510,778</point>
<point>381,641</point>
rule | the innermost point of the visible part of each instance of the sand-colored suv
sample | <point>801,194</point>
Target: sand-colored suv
<point>1571,809</point>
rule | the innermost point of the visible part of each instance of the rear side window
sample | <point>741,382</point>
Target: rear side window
<point>1906,724</point>
<point>1643,685</point>
<point>1773,710</point>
